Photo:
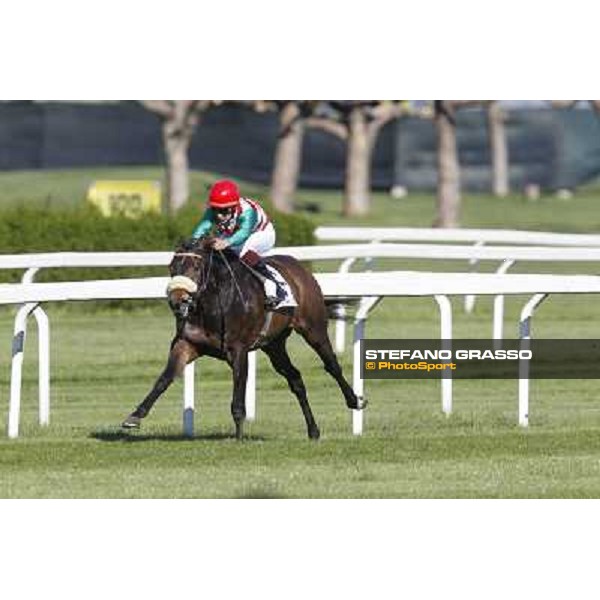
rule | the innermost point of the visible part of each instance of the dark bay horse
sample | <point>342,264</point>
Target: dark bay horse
<point>219,309</point>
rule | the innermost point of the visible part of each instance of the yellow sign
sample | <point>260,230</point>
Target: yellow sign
<point>128,198</point>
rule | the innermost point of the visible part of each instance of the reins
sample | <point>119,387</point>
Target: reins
<point>237,286</point>
<point>206,274</point>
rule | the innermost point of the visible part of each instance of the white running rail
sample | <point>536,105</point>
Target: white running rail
<point>356,285</point>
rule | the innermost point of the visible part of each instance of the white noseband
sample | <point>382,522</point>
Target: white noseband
<point>181,282</point>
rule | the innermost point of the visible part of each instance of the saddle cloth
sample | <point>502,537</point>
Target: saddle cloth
<point>289,299</point>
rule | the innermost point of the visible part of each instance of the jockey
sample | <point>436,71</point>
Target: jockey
<point>242,225</point>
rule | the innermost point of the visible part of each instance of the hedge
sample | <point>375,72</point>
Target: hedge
<point>28,230</point>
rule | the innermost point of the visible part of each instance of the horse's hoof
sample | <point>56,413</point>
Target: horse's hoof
<point>131,422</point>
<point>314,434</point>
<point>358,404</point>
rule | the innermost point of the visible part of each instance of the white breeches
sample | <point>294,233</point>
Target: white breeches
<point>259,242</point>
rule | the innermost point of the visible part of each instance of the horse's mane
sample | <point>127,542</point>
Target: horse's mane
<point>196,245</point>
<point>203,245</point>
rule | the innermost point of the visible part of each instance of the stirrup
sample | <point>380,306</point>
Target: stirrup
<point>272,302</point>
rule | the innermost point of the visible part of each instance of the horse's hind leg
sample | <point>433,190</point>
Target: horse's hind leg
<point>277,353</point>
<point>318,340</point>
<point>180,355</point>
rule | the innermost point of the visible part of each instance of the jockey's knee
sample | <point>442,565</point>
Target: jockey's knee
<point>251,258</point>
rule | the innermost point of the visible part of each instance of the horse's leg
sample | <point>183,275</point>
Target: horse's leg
<point>181,354</point>
<point>238,360</point>
<point>317,338</point>
<point>280,359</point>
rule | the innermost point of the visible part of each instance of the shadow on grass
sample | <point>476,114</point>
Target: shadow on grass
<point>119,435</point>
<point>261,492</point>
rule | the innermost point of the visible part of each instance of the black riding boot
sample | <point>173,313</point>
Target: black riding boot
<point>271,302</point>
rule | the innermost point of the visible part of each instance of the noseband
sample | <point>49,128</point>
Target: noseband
<point>182,282</point>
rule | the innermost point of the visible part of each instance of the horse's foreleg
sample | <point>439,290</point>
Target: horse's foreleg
<point>280,359</point>
<point>181,354</point>
<point>238,360</point>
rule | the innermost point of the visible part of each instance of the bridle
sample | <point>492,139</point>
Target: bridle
<point>192,299</point>
<point>205,276</point>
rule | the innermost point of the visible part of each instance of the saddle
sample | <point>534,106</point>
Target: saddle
<point>282,303</point>
<point>278,292</point>
<point>283,287</point>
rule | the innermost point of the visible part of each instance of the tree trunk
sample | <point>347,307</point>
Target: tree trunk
<point>358,166</point>
<point>498,151</point>
<point>448,192</point>
<point>288,157</point>
<point>176,144</point>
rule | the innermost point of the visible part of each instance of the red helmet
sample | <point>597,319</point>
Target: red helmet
<point>223,194</point>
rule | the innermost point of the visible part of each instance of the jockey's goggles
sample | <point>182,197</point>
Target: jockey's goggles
<point>224,210</point>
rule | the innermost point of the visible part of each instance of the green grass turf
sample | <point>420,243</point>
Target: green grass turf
<point>68,187</point>
<point>103,361</point>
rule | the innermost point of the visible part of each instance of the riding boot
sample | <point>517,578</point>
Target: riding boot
<point>275,295</point>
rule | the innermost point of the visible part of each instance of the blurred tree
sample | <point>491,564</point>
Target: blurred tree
<point>288,155</point>
<point>288,152</point>
<point>448,187</point>
<point>563,103</point>
<point>358,123</point>
<point>498,149</point>
<point>179,119</point>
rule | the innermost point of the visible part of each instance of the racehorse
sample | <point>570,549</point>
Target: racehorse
<point>219,307</point>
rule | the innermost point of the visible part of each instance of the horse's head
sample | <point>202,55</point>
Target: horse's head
<point>186,270</point>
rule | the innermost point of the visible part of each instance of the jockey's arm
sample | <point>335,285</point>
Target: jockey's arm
<point>205,224</point>
<point>247,223</point>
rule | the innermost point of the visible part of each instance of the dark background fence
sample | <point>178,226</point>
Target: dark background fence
<point>553,148</point>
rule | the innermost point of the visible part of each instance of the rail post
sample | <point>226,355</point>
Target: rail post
<point>340,323</point>
<point>498,319</point>
<point>470,298</point>
<point>525,336</point>
<point>367,304</point>
<point>188,400</point>
<point>445,307</point>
